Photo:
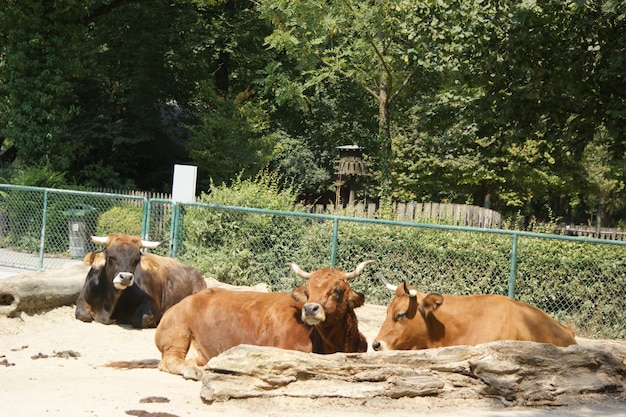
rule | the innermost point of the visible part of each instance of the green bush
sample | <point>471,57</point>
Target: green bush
<point>578,283</point>
<point>121,219</point>
<point>240,247</point>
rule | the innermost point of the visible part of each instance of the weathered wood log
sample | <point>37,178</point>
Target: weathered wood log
<point>520,373</point>
<point>37,290</point>
<point>212,282</point>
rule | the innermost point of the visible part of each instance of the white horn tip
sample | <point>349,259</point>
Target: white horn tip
<point>102,240</point>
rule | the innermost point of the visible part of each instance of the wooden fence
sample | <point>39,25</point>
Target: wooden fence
<point>134,193</point>
<point>427,212</point>
<point>439,213</point>
<point>586,231</point>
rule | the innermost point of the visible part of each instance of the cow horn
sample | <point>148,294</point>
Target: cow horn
<point>359,268</point>
<point>299,272</point>
<point>101,240</point>
<point>410,293</point>
<point>389,285</point>
<point>151,244</point>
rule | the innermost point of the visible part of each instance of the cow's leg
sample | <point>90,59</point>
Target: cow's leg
<point>145,316</point>
<point>191,371</point>
<point>200,359</point>
<point>174,341</point>
<point>83,310</point>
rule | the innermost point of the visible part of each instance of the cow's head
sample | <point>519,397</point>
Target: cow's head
<point>327,293</point>
<point>406,324</point>
<point>120,257</point>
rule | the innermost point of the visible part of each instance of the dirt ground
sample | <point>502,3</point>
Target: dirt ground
<point>54,365</point>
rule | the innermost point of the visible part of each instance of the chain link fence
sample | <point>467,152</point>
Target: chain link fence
<point>42,228</point>
<point>579,281</point>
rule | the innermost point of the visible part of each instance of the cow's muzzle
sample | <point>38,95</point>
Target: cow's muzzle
<point>377,345</point>
<point>123,280</point>
<point>313,313</point>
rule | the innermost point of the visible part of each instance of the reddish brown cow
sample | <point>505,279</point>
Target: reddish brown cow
<point>316,317</point>
<point>416,320</point>
<point>125,285</point>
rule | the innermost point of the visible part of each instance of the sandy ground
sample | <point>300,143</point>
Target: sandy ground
<point>54,365</point>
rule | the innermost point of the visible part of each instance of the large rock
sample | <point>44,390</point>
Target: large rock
<point>37,290</point>
<point>520,373</point>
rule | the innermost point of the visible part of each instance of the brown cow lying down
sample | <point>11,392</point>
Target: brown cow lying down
<point>125,285</point>
<point>316,317</point>
<point>416,320</point>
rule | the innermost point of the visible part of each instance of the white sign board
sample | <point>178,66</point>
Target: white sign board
<point>184,186</point>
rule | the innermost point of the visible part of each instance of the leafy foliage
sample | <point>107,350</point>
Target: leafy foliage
<point>544,99</point>
<point>41,175</point>
<point>120,219</point>
<point>578,284</point>
<point>513,105</point>
<point>223,243</point>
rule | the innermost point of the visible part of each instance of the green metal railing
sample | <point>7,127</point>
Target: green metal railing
<point>41,228</point>
<point>579,281</point>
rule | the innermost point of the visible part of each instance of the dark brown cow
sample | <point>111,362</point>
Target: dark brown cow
<point>416,320</point>
<point>125,285</point>
<point>316,317</point>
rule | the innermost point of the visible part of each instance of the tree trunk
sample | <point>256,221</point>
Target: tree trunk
<point>384,137</point>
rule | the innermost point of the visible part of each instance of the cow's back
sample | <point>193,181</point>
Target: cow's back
<point>471,320</point>
<point>167,280</point>
<point>218,319</point>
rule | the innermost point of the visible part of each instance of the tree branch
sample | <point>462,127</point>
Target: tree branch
<point>108,8</point>
<point>404,83</point>
<point>346,75</point>
<point>379,54</point>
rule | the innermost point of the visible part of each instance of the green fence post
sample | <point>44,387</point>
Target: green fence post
<point>333,249</point>
<point>513,267</point>
<point>145,221</point>
<point>42,238</point>
<point>174,230</point>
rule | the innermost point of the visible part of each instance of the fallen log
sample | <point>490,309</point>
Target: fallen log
<point>38,290</point>
<point>520,373</point>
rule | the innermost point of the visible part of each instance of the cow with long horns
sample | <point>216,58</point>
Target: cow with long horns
<point>416,320</point>
<point>126,285</point>
<point>317,317</point>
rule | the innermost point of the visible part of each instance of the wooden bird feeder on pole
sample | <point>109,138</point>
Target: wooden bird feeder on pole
<point>350,165</point>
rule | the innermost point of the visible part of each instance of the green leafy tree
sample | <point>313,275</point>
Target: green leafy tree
<point>228,115</point>
<point>510,128</point>
<point>96,87</point>
<point>373,45</point>
<point>549,72</point>
<point>306,137</point>
<point>220,142</point>
<point>134,97</point>
<point>40,64</point>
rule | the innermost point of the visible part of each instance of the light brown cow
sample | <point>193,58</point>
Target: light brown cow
<point>125,285</point>
<point>416,320</point>
<point>316,317</point>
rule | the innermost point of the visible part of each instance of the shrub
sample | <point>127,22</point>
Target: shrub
<point>121,219</point>
<point>239,247</point>
<point>578,283</point>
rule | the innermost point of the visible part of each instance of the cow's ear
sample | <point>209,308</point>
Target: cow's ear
<point>96,260</point>
<point>430,303</point>
<point>355,299</point>
<point>299,294</point>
